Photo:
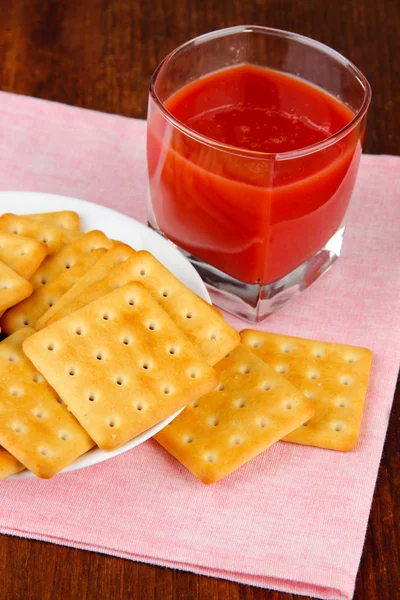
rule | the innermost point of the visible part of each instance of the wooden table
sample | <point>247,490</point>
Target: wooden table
<point>100,54</point>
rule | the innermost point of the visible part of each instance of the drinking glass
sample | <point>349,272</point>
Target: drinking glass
<point>259,227</point>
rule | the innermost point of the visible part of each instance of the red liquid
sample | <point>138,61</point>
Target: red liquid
<point>255,219</point>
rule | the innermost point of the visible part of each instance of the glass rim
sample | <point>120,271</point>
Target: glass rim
<point>332,139</point>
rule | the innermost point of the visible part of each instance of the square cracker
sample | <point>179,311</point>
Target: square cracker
<point>34,427</point>
<point>22,254</point>
<point>13,288</point>
<point>334,376</point>
<point>103,267</point>
<point>61,218</point>
<point>54,237</point>
<point>29,311</point>
<point>203,325</point>
<point>120,364</point>
<point>69,256</point>
<point>252,408</point>
<point>9,465</point>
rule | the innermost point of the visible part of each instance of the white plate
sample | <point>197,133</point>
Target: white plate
<point>121,227</point>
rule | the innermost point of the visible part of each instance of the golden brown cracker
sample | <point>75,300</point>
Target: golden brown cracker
<point>9,465</point>
<point>54,237</point>
<point>22,254</point>
<point>69,256</point>
<point>34,427</point>
<point>252,408</point>
<point>334,376</point>
<point>61,218</point>
<point>120,364</point>
<point>13,288</point>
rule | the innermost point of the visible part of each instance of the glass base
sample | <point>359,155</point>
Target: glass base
<point>255,302</point>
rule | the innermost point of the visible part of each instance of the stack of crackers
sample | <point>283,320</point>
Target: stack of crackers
<point>103,342</point>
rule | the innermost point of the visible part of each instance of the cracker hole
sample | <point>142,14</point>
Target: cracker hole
<point>220,387</point>
<point>4,286</point>
<point>288,405</point>
<point>39,413</point>
<point>17,428</point>
<point>189,315</point>
<point>338,427</point>
<point>255,344</point>
<point>43,281</point>
<point>287,349</point>
<point>240,403</point>
<point>211,458</point>
<point>99,355</point>
<point>142,272</point>
<point>309,395</point>
<point>236,441</point>
<point>213,337</point>
<point>350,359</point>
<point>22,253</point>
<point>346,380</point>
<point>172,350</point>
<point>165,293</point>
<point>126,340</point>
<point>262,423</point>
<point>145,365</point>
<point>318,354</point>
<point>120,380</point>
<point>50,303</point>
<point>72,371</point>
<point>267,387</point>
<point>214,422</point>
<point>305,424</point>
<point>112,423</point>
<point>12,358</point>
<point>50,347</point>
<point>166,389</point>
<point>78,331</point>
<point>92,398</point>
<point>132,301</point>
<point>44,239</point>
<point>342,404</point>
<point>245,369</point>
<point>37,378</point>
<point>15,392</point>
<point>16,231</point>
<point>44,452</point>
<point>67,265</point>
<point>313,375</point>
<point>188,439</point>
<point>64,435</point>
<point>194,404</point>
<point>281,369</point>
<point>193,374</point>
<point>26,321</point>
<point>139,406</point>
<point>106,316</point>
<point>152,326</point>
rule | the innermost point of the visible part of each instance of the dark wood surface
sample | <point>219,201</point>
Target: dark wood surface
<point>100,54</point>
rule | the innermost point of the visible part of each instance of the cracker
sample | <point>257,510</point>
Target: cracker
<point>13,288</point>
<point>9,465</point>
<point>120,364</point>
<point>34,426</point>
<point>31,310</point>
<point>22,254</point>
<point>334,376</point>
<point>106,265</point>
<point>252,408</point>
<point>61,218</point>
<point>69,256</point>
<point>202,323</point>
<point>54,237</point>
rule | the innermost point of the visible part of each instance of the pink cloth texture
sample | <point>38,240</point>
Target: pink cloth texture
<point>294,518</point>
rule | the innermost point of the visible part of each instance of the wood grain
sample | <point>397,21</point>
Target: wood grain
<point>100,54</point>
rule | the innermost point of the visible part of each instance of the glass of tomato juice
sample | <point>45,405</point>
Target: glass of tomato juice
<point>253,145</point>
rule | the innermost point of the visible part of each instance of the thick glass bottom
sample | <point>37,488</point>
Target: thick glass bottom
<point>255,302</point>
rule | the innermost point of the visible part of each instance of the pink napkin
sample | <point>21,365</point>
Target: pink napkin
<point>293,519</point>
